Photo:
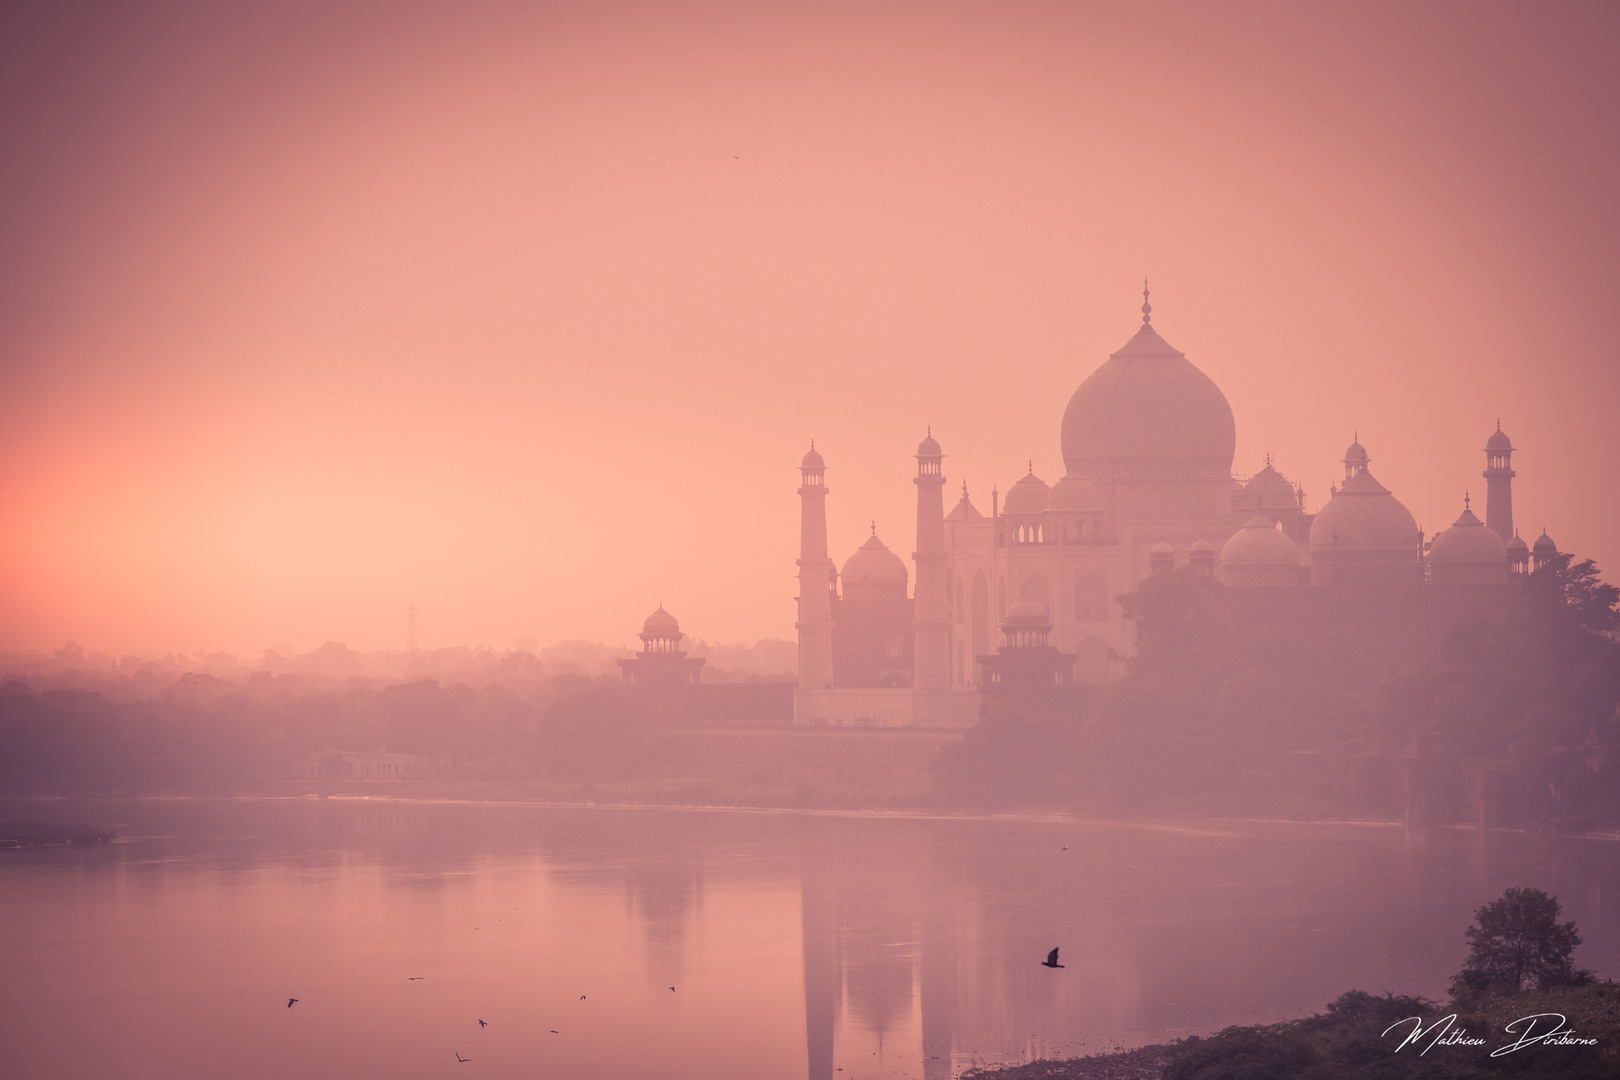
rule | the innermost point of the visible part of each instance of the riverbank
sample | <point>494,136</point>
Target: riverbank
<point>1571,1032</point>
<point>766,798</point>
<point>21,834</point>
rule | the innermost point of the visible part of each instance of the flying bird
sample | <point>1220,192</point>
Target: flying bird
<point>291,1002</point>
<point>413,978</point>
<point>482,1024</point>
<point>582,997</point>
<point>672,989</point>
<point>460,1058</point>
<point>554,1031</point>
<point>1051,960</point>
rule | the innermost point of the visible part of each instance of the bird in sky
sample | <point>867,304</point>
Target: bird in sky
<point>291,1002</point>
<point>1051,960</point>
<point>460,1058</point>
<point>482,1024</point>
<point>413,978</point>
<point>582,997</point>
<point>672,989</point>
<point>554,1031</point>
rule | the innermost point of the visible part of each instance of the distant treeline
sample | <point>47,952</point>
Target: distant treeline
<point>205,733</point>
<point>1215,709</point>
<point>141,676</point>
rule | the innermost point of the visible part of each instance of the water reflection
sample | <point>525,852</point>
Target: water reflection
<point>798,945</point>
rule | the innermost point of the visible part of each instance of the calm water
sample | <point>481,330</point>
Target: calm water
<point>798,945</point>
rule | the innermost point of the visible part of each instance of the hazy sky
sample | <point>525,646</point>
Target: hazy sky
<point>528,311</point>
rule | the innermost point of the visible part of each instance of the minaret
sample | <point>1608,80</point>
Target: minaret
<point>931,609</point>
<point>1499,484</point>
<point>815,578</point>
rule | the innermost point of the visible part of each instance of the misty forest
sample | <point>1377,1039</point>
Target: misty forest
<point>1215,712</point>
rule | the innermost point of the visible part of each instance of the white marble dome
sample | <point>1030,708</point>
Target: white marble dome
<point>874,572</point>
<point>1148,412</point>
<point>1363,527</point>
<point>1259,554</point>
<point>1468,554</point>
<point>1029,496</point>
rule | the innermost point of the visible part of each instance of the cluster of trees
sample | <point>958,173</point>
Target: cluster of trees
<point>1213,699</point>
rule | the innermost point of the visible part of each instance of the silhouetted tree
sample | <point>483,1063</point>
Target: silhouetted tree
<point>1519,944</point>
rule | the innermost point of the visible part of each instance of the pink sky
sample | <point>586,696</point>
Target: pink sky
<point>527,312</point>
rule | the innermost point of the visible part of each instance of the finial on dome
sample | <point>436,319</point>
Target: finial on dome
<point>964,489</point>
<point>1498,423</point>
<point>1465,500</point>
<point>930,431</point>
<point>1147,308</point>
<point>874,526</point>
<point>1032,466</point>
<point>812,442</point>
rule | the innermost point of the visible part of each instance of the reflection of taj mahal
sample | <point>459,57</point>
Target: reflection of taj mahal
<point>1148,442</point>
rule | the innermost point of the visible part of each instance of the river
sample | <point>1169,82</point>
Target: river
<point>599,942</point>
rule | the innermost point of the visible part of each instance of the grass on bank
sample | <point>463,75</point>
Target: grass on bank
<point>1349,1041</point>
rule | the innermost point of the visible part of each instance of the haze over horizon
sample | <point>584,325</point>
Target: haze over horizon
<point>527,314</point>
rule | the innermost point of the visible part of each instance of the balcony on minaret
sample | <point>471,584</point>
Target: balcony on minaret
<point>813,470</point>
<point>1499,484</point>
<point>930,458</point>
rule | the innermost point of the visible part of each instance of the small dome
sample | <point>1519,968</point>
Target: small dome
<point>1516,547</point>
<point>1029,496</point>
<point>1468,553</point>
<point>1269,489</point>
<point>1202,549</point>
<point>1259,543</point>
<point>660,624</point>
<point>1544,545</point>
<point>1026,611</point>
<point>812,460</point>
<point>1363,517</point>
<point>1356,457</point>
<point>874,572</point>
<point>1498,441</point>
<point>1162,550</point>
<point>928,447</point>
<point>1074,493</point>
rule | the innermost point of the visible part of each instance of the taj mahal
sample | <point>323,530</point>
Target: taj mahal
<point>1025,589</point>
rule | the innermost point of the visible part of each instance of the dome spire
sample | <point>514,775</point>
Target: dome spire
<point>1147,308</point>
<point>874,526</point>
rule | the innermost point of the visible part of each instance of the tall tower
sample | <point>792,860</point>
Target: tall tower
<point>815,576</point>
<point>931,619</point>
<point>1499,484</point>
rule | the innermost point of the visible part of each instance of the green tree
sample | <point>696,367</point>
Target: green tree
<point>1518,944</point>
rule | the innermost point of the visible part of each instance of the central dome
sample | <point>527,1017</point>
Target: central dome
<point>1148,412</point>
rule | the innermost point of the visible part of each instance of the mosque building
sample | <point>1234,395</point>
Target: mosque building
<point>1148,442</point>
